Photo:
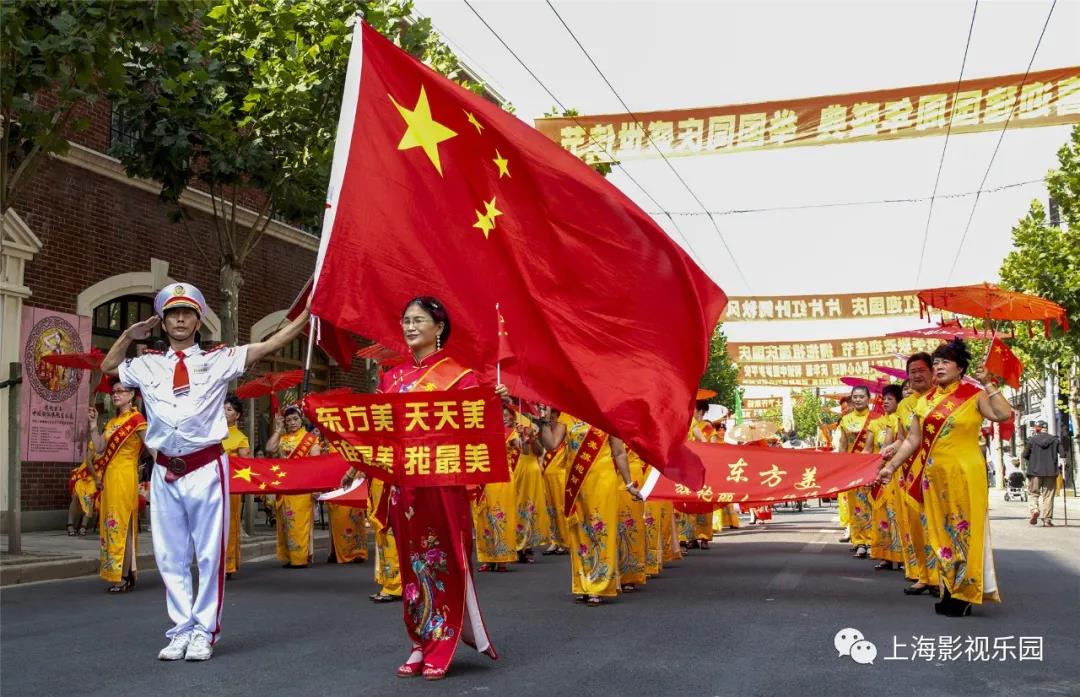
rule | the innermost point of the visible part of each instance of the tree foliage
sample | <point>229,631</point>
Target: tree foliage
<point>58,55</point>
<point>810,411</point>
<point>1045,261</point>
<point>721,375</point>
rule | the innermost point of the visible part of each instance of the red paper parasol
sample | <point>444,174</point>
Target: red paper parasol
<point>987,301</point>
<point>873,385</point>
<point>898,373</point>
<point>82,361</point>
<point>270,383</point>
<point>944,331</point>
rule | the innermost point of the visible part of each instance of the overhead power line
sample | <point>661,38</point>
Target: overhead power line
<point>689,246</point>
<point>945,146</point>
<point>632,115</point>
<point>1001,136</point>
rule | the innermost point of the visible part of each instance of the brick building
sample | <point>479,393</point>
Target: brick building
<point>83,238</point>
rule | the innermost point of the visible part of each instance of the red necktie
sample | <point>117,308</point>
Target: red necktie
<point>180,385</point>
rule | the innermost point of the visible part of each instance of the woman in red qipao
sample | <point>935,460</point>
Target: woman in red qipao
<point>433,525</point>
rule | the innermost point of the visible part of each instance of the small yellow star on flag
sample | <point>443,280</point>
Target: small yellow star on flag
<point>485,221</point>
<point>473,121</point>
<point>274,468</point>
<point>262,486</point>
<point>244,474</point>
<point>423,131</point>
<point>503,164</point>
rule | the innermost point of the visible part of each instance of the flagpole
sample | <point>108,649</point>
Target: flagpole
<point>307,358</point>
<point>498,361</point>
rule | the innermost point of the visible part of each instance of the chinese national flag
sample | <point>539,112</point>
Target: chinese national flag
<point>301,475</point>
<point>1004,363</point>
<point>436,191</point>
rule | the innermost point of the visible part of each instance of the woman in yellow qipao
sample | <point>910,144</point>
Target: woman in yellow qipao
<point>235,444</point>
<point>885,535</point>
<point>920,563</point>
<point>554,486</point>
<point>651,519</point>
<point>387,572</point>
<point>295,513</point>
<point>593,523</point>
<point>83,488</point>
<point>953,482</point>
<point>853,432</point>
<point>631,530</point>
<point>117,467</point>
<point>495,509</point>
<point>533,522</point>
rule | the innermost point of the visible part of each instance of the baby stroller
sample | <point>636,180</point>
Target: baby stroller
<point>1017,487</point>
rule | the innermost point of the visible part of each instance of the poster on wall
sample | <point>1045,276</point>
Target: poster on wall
<point>54,398</point>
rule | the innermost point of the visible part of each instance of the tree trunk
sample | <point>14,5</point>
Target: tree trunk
<point>231,280</point>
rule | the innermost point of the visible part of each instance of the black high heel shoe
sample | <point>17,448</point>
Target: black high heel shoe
<point>910,590</point>
<point>958,608</point>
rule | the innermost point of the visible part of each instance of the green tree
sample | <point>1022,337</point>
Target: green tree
<point>57,56</point>
<point>1045,261</point>
<point>810,412</point>
<point>249,103</point>
<point>722,374</point>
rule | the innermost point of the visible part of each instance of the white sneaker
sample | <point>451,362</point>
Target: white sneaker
<point>199,649</point>
<point>176,648</point>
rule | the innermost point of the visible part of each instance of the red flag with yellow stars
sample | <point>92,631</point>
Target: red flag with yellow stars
<point>1001,361</point>
<point>436,191</point>
<point>271,475</point>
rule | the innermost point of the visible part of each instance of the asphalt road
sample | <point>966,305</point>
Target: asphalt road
<point>755,615</point>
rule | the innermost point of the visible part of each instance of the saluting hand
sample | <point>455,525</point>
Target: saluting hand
<point>141,330</point>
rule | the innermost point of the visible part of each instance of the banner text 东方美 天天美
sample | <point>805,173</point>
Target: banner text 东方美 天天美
<point>1044,98</point>
<point>422,438</point>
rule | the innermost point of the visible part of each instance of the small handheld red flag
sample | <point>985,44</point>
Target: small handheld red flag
<point>1002,362</point>
<point>505,352</point>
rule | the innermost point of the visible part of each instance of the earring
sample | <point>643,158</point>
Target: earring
<point>438,342</point>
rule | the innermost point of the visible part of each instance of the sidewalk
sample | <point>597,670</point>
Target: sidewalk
<point>52,555</point>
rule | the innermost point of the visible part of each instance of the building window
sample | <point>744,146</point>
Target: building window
<point>113,317</point>
<point>121,129</point>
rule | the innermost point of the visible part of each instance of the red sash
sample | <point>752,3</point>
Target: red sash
<point>931,429</point>
<point>305,445</point>
<point>513,453</point>
<point>549,456</point>
<point>117,439</point>
<point>586,454</point>
<point>860,439</point>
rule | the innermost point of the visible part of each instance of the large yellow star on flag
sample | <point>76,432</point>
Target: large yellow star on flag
<point>503,164</point>
<point>244,474</point>
<point>423,131</point>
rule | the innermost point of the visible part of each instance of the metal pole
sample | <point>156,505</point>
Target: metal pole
<point>249,499</point>
<point>14,521</point>
<point>307,357</point>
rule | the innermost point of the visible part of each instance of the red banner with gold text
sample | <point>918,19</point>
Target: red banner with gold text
<point>420,438</point>
<point>753,474</point>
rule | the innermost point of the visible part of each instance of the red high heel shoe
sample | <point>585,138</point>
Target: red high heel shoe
<point>433,673</point>
<point>411,669</point>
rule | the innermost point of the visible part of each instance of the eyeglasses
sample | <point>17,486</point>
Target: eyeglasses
<point>414,322</point>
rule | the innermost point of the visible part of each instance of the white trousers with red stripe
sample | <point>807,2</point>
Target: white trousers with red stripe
<point>192,511</point>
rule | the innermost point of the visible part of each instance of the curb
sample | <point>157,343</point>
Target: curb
<point>75,567</point>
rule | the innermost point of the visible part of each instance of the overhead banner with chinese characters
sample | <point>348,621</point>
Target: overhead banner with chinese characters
<point>419,438</point>
<point>762,308</point>
<point>802,351</point>
<point>752,474</point>
<point>761,403</point>
<point>1044,98</point>
<point>834,369</point>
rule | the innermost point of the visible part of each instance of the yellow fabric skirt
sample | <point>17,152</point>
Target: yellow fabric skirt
<point>83,492</point>
<point>654,548</point>
<point>554,493</point>
<point>348,532</point>
<point>119,517</point>
<point>387,573</point>
<point>632,539</point>
<point>886,538</point>
<point>703,526</point>
<point>495,519</point>
<point>295,528</point>
<point>920,562</point>
<point>232,542</point>
<point>593,529</point>
<point>669,534</point>
<point>860,515</point>
<point>533,521</point>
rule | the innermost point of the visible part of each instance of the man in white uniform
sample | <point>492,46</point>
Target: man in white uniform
<point>183,392</point>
